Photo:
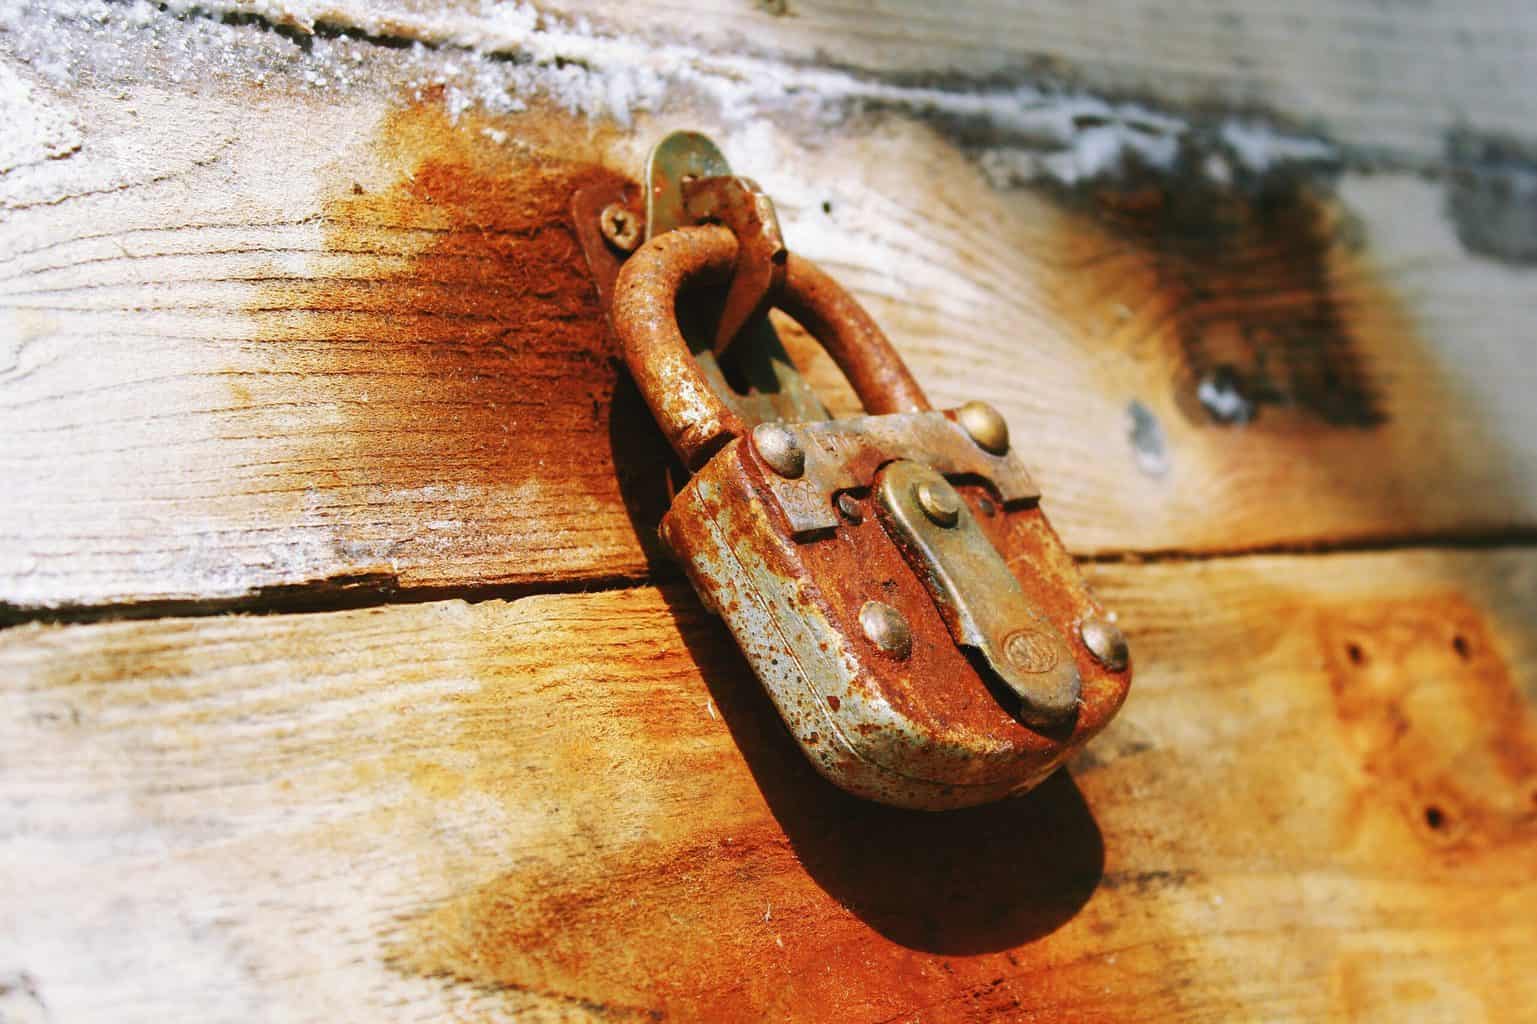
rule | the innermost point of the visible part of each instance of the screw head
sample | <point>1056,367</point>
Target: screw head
<point>938,501</point>
<point>1106,642</point>
<point>986,426</point>
<point>620,226</point>
<point>848,505</point>
<point>886,628</point>
<point>779,449</point>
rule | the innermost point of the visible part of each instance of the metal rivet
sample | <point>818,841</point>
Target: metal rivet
<point>849,506</point>
<point>620,226</point>
<point>986,426</point>
<point>939,502</point>
<point>779,449</point>
<point>886,628</point>
<point>1106,642</point>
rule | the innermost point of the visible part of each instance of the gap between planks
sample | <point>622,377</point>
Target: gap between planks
<point>380,590</point>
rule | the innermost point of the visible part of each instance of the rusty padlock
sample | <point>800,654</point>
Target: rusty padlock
<point>891,578</point>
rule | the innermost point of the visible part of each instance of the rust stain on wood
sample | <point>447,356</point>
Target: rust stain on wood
<point>455,328</point>
<point>1425,699</point>
<point>841,912</point>
<point>1259,291</point>
<point>724,879</point>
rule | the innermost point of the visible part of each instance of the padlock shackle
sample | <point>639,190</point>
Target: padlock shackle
<point>695,420</point>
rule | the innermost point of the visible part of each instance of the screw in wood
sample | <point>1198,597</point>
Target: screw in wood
<point>620,226</point>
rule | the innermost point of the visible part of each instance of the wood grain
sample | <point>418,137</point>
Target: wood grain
<point>1335,68</point>
<point>1319,803</point>
<point>240,361</point>
<point>291,311</point>
<point>1339,69</point>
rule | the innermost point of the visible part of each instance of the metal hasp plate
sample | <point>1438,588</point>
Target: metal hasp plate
<point>844,454</point>
<point>891,578</point>
<point>689,182</point>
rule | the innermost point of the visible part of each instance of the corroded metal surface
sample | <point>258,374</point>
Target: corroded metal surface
<point>621,227</point>
<point>860,348</point>
<point>740,205</point>
<point>695,417</point>
<point>692,415</point>
<point>980,600</point>
<point>844,454</point>
<point>590,206</point>
<point>925,731</point>
<point>891,578</point>
<point>688,182</point>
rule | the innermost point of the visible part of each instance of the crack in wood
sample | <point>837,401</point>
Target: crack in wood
<point>333,594</point>
<point>375,590</point>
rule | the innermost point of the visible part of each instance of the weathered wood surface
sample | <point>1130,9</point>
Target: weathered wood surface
<point>1393,78</point>
<point>239,357</point>
<point>290,308</point>
<point>1319,804</point>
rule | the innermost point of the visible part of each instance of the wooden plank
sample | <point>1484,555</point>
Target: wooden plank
<point>1337,68</point>
<point>237,359</point>
<point>1320,803</point>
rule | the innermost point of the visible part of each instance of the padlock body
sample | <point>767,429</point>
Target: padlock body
<point>927,728</point>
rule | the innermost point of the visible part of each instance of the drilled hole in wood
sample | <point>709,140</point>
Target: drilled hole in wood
<point>1356,655</point>
<point>1462,647</point>
<point>1435,817</point>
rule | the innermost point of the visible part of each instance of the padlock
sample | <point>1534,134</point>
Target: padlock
<point>891,577</point>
